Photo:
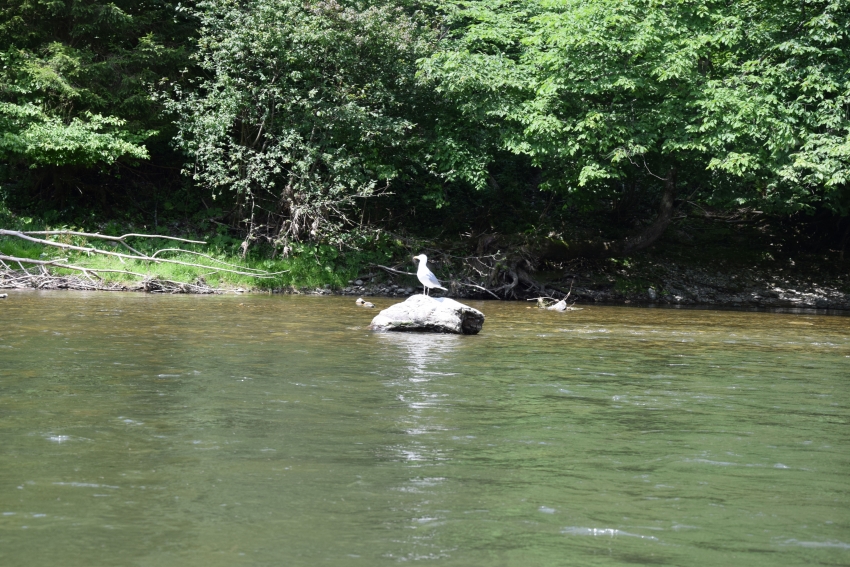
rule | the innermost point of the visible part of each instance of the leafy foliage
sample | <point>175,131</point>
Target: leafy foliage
<point>75,78</point>
<point>749,100</point>
<point>303,108</point>
<point>470,115</point>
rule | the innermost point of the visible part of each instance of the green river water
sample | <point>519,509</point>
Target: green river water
<point>276,430</point>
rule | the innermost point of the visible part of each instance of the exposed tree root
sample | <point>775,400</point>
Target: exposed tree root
<point>510,276</point>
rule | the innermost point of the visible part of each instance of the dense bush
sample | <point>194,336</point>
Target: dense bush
<point>76,78</point>
<point>302,109</point>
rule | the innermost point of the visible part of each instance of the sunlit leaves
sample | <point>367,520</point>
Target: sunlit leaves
<point>304,106</point>
<point>750,100</point>
<point>76,77</point>
<point>47,140</point>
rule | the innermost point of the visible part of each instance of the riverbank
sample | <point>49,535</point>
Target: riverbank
<point>697,263</point>
<point>670,284</point>
<point>612,284</point>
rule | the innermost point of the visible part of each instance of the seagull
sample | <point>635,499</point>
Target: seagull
<point>425,275</point>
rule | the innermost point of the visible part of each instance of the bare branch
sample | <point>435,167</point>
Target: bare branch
<point>205,256</point>
<point>92,250</point>
<point>481,288</point>
<point>112,238</point>
<point>40,281</point>
<point>393,270</point>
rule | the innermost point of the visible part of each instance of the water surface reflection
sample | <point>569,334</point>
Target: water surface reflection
<point>263,430</point>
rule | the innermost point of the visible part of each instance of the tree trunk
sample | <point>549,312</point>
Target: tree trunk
<point>560,250</point>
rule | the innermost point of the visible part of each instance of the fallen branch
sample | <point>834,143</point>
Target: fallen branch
<point>44,279</point>
<point>112,238</point>
<point>393,270</point>
<point>482,288</point>
<point>206,256</point>
<point>119,239</point>
<point>92,250</point>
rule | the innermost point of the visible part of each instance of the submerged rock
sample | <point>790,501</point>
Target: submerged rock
<point>430,314</point>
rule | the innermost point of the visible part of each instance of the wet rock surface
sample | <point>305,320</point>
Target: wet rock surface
<point>429,314</point>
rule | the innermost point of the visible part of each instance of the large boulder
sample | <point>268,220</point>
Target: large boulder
<point>432,314</point>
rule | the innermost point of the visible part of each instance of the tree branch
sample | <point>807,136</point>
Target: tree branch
<point>92,250</point>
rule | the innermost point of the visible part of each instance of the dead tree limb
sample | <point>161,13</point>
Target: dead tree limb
<point>44,279</point>
<point>92,250</point>
<point>112,238</point>
<point>154,255</point>
<point>482,288</point>
<point>120,239</point>
<point>393,270</point>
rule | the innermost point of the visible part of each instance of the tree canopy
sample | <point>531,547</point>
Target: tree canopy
<point>748,100</point>
<point>295,113</point>
<point>76,78</point>
<point>302,107</point>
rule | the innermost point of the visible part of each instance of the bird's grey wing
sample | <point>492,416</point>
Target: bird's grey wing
<point>431,279</point>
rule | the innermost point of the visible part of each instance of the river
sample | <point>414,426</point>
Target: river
<point>277,430</point>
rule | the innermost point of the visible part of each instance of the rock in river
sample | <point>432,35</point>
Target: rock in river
<point>434,314</point>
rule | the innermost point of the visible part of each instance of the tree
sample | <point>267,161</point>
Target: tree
<point>303,108</point>
<point>739,103</point>
<point>76,78</point>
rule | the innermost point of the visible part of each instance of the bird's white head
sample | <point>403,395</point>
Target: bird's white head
<point>422,258</point>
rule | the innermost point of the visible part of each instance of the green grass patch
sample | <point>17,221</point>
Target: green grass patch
<point>306,267</point>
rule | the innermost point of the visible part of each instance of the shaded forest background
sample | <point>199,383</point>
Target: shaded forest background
<point>560,129</point>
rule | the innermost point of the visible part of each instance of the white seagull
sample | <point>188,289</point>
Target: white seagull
<point>425,275</point>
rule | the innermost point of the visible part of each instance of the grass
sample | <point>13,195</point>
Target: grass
<point>301,271</point>
<point>308,266</point>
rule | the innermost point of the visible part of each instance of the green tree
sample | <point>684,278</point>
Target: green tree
<point>303,108</point>
<point>740,103</point>
<point>76,79</point>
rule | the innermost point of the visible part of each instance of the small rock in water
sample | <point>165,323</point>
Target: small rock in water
<point>363,303</point>
<point>653,295</point>
<point>4,295</point>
